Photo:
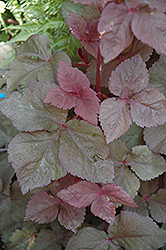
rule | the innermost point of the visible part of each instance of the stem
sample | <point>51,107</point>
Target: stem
<point>99,9</point>
<point>98,90</point>
<point>106,228</point>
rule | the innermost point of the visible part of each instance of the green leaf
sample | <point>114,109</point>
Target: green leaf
<point>156,138</point>
<point>6,173</point>
<point>125,178</point>
<point>89,238</point>
<point>70,6</point>
<point>88,152</point>
<point>145,163</point>
<point>133,136</point>
<point>132,231</point>
<point>7,131</point>
<point>31,58</point>
<point>142,207</point>
<point>47,240</point>
<point>157,205</point>
<point>34,157</point>
<point>28,112</point>
<point>157,75</point>
<point>21,240</point>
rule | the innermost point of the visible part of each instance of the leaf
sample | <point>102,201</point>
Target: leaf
<point>71,217</point>
<point>136,47</point>
<point>34,157</point>
<point>133,136</point>
<point>6,173</point>
<point>98,3</point>
<point>84,193</point>
<point>32,58</point>
<point>155,138</point>
<point>157,205</point>
<point>145,163</point>
<point>7,131</point>
<point>131,229</point>
<point>157,75</point>
<point>115,30</point>
<point>74,91</point>
<point>148,108</point>
<point>21,240</point>
<point>88,152</point>
<point>158,5</point>
<point>86,32</point>
<point>115,118</point>
<point>89,238</point>
<point>28,112</point>
<point>126,179</point>
<point>146,26</point>
<point>47,239</point>
<point>42,208</point>
<point>130,77</point>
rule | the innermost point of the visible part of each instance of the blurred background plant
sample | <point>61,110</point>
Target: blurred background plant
<point>20,19</point>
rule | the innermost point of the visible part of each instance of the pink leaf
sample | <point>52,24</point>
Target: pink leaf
<point>98,3</point>
<point>104,209</point>
<point>147,27</point>
<point>74,91</point>
<point>148,108</point>
<point>60,98</point>
<point>117,194</point>
<point>115,118</point>
<point>80,194</point>
<point>129,77</point>
<point>115,30</point>
<point>42,208</point>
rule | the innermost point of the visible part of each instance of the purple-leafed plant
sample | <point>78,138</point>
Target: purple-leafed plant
<point>88,145</point>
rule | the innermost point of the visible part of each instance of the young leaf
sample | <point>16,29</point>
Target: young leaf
<point>148,108</point>
<point>34,157</point>
<point>156,138</point>
<point>115,30</point>
<point>130,77</point>
<point>131,229</point>
<point>146,26</point>
<point>88,152</point>
<point>32,58</point>
<point>28,112</point>
<point>84,193</point>
<point>145,163</point>
<point>157,75</point>
<point>86,32</point>
<point>74,91</point>
<point>115,118</point>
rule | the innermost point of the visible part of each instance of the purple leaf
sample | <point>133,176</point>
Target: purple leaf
<point>116,34</point>
<point>147,27</point>
<point>115,118</point>
<point>42,208</point>
<point>98,3</point>
<point>86,32</point>
<point>130,77</point>
<point>148,108</point>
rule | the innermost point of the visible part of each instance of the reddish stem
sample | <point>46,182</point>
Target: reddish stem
<point>99,9</point>
<point>106,228</point>
<point>98,90</point>
<point>86,57</point>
